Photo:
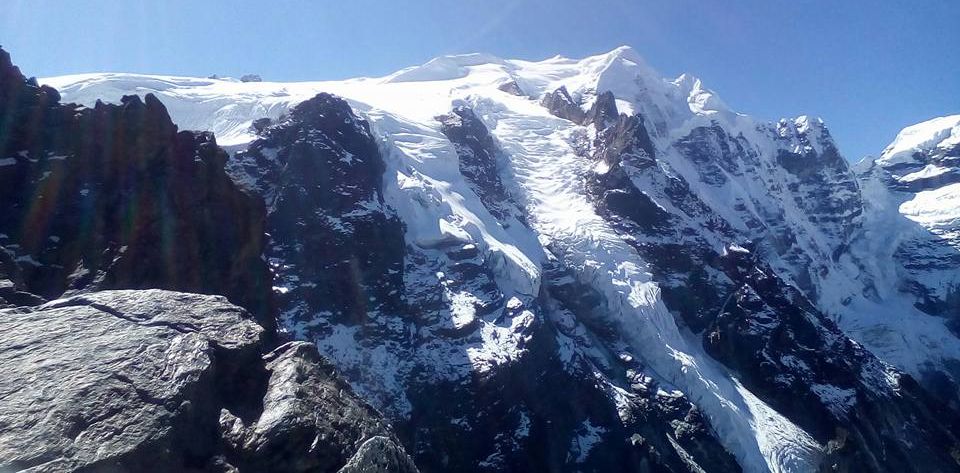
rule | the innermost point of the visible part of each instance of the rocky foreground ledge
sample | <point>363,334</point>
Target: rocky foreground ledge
<point>153,380</point>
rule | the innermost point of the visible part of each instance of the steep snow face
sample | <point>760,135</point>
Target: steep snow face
<point>916,178</point>
<point>780,187</point>
<point>913,232</point>
<point>551,175</point>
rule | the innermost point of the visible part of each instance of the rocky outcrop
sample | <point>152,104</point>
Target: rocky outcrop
<point>478,155</point>
<point>335,246</point>
<point>311,421</point>
<point>115,196</point>
<point>150,380</point>
<point>805,367</point>
<point>154,380</point>
<point>379,455</point>
<point>560,103</point>
<point>511,87</point>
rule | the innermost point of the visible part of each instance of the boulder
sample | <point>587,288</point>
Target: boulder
<point>153,380</point>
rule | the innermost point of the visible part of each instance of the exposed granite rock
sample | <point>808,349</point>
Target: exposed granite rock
<point>511,87</point>
<point>115,197</point>
<point>603,113</point>
<point>823,184</point>
<point>152,380</point>
<point>560,104</point>
<point>118,380</point>
<point>311,421</point>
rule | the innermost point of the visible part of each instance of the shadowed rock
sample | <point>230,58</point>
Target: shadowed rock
<point>560,104</point>
<point>115,197</point>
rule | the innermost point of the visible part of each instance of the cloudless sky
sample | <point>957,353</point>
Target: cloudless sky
<point>869,68</point>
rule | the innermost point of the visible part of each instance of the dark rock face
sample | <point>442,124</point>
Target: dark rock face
<point>511,87</point>
<point>478,162</point>
<point>163,379</point>
<point>713,153</point>
<point>150,380</point>
<point>868,414</point>
<point>871,416</point>
<point>603,113</point>
<point>825,188</point>
<point>622,143</point>
<point>559,403</point>
<point>341,255</point>
<point>116,197</point>
<point>559,409</point>
<point>656,428</point>
<point>929,253</point>
<point>562,105</point>
<point>336,247</point>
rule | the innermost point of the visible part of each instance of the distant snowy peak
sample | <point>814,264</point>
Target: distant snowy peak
<point>641,89</point>
<point>666,104</point>
<point>922,157</point>
<point>701,100</point>
<point>621,71</point>
<point>940,133</point>
<point>444,68</point>
<point>805,134</point>
<point>914,189</point>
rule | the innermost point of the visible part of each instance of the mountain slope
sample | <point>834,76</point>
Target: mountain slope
<point>913,228</point>
<point>117,197</point>
<point>507,229</point>
<point>142,379</point>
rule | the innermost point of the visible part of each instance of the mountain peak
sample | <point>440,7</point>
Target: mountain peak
<point>940,132</point>
<point>444,67</point>
<point>625,52</point>
<point>625,56</point>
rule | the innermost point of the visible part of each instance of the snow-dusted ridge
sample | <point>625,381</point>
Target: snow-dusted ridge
<point>941,132</point>
<point>423,185</point>
<point>228,107</point>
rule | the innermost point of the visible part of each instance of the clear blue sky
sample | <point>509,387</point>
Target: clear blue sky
<point>868,68</point>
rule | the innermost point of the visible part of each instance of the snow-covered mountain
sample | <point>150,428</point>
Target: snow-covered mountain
<point>577,265</point>
<point>912,234</point>
<point>100,209</point>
